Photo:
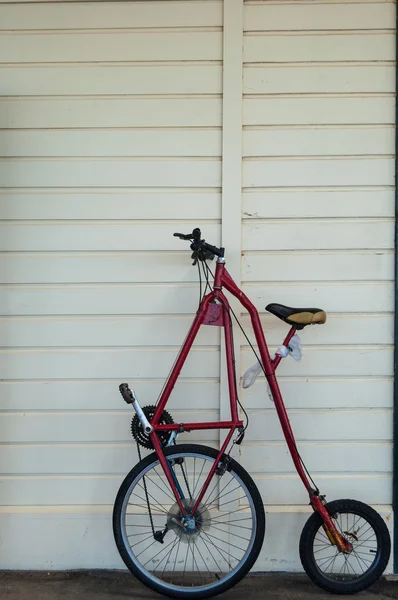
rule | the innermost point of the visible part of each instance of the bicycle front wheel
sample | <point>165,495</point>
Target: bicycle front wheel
<point>338,572</point>
<point>206,555</point>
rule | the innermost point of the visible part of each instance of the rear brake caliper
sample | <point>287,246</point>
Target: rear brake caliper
<point>224,465</point>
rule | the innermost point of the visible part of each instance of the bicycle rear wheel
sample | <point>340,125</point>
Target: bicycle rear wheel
<point>215,550</point>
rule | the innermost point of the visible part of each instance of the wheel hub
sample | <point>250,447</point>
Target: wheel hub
<point>188,527</point>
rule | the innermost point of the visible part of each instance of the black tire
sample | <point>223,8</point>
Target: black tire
<point>185,592</point>
<point>347,583</point>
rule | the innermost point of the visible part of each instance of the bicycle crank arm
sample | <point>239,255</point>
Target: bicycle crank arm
<point>130,397</point>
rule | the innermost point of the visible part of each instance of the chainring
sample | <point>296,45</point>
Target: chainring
<point>143,438</point>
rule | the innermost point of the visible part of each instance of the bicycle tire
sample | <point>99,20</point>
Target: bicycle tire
<point>143,575</point>
<point>382,553</point>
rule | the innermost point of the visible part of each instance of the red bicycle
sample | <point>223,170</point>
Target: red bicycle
<point>189,520</point>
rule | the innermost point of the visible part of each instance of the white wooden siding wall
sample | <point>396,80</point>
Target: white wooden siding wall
<point>317,230</point>
<point>111,141</point>
<point>111,116</point>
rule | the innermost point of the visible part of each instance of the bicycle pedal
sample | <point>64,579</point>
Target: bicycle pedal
<point>126,393</point>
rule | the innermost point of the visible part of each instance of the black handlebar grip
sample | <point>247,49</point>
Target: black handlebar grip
<point>195,235</point>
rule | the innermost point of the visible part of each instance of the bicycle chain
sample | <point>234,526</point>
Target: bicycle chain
<point>186,481</point>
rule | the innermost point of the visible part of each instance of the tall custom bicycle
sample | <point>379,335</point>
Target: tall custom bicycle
<point>189,520</point>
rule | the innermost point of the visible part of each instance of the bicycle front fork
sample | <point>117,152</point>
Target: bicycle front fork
<point>331,530</point>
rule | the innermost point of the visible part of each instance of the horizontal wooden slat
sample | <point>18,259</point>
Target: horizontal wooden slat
<point>317,234</point>
<point>93,15</point>
<point>99,490</point>
<point>111,46</point>
<point>319,16</point>
<point>173,267</point>
<point>320,110</point>
<point>183,299</point>
<point>98,299</point>
<point>323,425</point>
<point>73,458</point>
<point>115,331</point>
<point>371,489</point>
<point>326,78</point>
<point>264,426</point>
<point>335,361</point>
<point>97,395</point>
<point>117,459</point>
<point>297,203</point>
<point>148,362</point>
<point>84,79</point>
<point>326,458</point>
<point>333,297</point>
<point>302,142</point>
<point>118,235</point>
<point>313,393</point>
<point>110,173</point>
<point>154,142</point>
<point>307,172</point>
<point>279,48</point>
<point>339,329</point>
<point>109,112</point>
<point>163,331</point>
<point>86,427</point>
<point>110,204</point>
<point>315,266</point>
<point>99,267</point>
<point>108,363</point>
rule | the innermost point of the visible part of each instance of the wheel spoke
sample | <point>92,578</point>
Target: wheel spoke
<point>219,550</point>
<point>209,502</point>
<point>233,534</point>
<point>223,495</point>
<point>157,554</point>
<point>231,523</point>
<point>166,556</point>
<point>175,562</point>
<point>356,556</point>
<point>194,560</point>
<point>163,488</point>
<point>144,540</point>
<point>224,542</point>
<point>200,475</point>
<point>330,562</point>
<point>211,554</point>
<point>325,559</point>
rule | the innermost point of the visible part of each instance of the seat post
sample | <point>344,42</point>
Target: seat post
<point>278,357</point>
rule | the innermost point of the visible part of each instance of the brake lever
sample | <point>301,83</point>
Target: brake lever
<point>183,236</point>
<point>193,237</point>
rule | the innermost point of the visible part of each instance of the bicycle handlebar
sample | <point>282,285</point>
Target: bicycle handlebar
<point>199,244</point>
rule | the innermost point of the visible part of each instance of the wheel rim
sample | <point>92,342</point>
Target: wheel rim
<point>204,555</point>
<point>365,555</point>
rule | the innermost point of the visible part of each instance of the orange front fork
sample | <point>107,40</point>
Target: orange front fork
<point>330,529</point>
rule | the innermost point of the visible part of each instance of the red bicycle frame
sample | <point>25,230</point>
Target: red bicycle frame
<point>215,310</point>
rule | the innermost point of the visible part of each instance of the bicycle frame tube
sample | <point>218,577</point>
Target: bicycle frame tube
<point>165,395</point>
<point>222,280</point>
<point>269,367</point>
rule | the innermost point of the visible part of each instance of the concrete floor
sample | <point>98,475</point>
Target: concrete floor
<point>115,585</point>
